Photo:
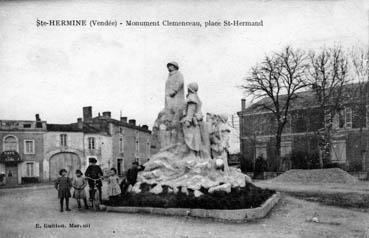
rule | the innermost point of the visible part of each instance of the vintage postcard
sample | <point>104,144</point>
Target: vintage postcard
<point>184,118</point>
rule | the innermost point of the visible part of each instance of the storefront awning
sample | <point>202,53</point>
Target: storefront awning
<point>10,157</point>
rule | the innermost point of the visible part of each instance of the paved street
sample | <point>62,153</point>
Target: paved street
<point>22,209</point>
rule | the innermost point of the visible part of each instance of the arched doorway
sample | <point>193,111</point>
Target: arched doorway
<point>63,160</point>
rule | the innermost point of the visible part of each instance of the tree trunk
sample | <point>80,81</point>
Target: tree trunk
<point>278,148</point>
<point>320,157</point>
<point>362,150</point>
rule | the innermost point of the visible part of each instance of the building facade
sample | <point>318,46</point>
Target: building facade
<point>21,151</point>
<point>35,151</point>
<point>128,142</point>
<point>300,137</point>
<point>63,148</point>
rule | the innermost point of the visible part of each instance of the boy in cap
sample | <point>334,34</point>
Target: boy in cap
<point>94,171</point>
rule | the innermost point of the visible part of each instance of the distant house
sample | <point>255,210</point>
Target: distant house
<point>35,151</point>
<point>127,142</point>
<point>21,151</point>
<point>299,147</point>
<point>113,143</point>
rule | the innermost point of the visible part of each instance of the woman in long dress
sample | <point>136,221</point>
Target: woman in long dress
<point>113,185</point>
<point>195,135</point>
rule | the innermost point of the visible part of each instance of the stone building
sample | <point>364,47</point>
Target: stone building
<point>299,146</point>
<point>127,143</point>
<point>21,151</point>
<point>113,143</point>
<point>63,148</point>
<point>35,151</point>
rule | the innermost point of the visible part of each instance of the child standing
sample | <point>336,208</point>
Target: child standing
<point>113,185</point>
<point>63,184</point>
<point>79,184</point>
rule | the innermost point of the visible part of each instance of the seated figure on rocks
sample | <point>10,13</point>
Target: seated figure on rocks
<point>219,140</point>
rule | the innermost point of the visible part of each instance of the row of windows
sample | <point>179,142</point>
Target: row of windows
<point>92,143</point>
<point>10,143</point>
<point>342,119</point>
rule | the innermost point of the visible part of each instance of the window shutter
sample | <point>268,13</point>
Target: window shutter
<point>57,140</point>
<point>69,140</point>
<point>36,169</point>
<point>24,169</point>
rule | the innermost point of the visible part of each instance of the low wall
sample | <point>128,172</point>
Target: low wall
<point>238,215</point>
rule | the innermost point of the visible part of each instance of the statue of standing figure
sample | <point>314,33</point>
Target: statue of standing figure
<point>189,146</point>
<point>167,129</point>
<point>194,128</point>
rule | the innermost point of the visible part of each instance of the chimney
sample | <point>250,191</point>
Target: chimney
<point>79,123</point>
<point>38,121</point>
<point>107,114</point>
<point>87,113</point>
<point>132,122</point>
<point>243,104</point>
<point>123,119</point>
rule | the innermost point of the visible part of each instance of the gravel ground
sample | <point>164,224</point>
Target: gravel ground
<point>313,176</point>
<point>22,209</point>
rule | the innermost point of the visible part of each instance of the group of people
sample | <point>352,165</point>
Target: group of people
<point>93,177</point>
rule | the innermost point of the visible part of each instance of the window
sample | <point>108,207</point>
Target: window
<point>148,147</point>
<point>348,117</point>
<point>91,143</point>
<point>338,151</point>
<point>367,116</point>
<point>120,166</point>
<point>29,146</point>
<point>286,148</point>
<point>327,119</point>
<point>261,150</point>
<point>26,125</point>
<point>10,143</point>
<point>121,145</point>
<point>30,170</point>
<point>137,143</point>
<point>63,140</point>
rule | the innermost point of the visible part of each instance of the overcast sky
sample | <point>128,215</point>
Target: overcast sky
<point>56,71</point>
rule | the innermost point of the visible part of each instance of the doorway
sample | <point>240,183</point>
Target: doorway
<point>120,166</point>
<point>63,160</point>
<point>11,174</point>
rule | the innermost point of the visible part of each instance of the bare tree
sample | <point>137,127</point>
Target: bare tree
<point>278,78</point>
<point>327,77</point>
<point>358,95</point>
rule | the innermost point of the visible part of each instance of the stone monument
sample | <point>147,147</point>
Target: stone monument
<point>193,150</point>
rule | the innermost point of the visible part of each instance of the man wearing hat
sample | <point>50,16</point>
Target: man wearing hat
<point>94,171</point>
<point>174,91</point>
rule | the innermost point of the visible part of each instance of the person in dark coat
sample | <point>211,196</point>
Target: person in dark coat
<point>260,167</point>
<point>131,177</point>
<point>63,184</point>
<point>132,173</point>
<point>94,171</point>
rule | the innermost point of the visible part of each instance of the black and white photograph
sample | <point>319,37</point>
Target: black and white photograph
<point>184,119</point>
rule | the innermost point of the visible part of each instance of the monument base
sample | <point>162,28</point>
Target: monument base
<point>225,215</point>
<point>249,196</point>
